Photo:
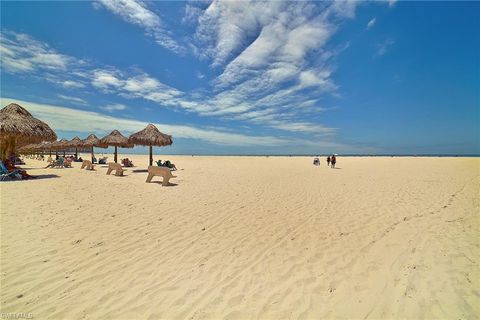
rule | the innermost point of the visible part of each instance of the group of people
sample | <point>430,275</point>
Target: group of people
<point>331,161</point>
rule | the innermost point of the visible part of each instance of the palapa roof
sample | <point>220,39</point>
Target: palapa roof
<point>151,136</point>
<point>115,138</point>
<point>75,142</point>
<point>28,147</point>
<point>92,141</point>
<point>43,146</point>
<point>60,145</point>
<point>17,122</point>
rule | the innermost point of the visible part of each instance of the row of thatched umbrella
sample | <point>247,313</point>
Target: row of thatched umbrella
<point>150,136</point>
<point>17,125</point>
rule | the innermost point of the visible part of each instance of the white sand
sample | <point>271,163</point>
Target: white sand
<point>244,238</point>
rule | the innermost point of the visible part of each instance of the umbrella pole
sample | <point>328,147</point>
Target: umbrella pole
<point>151,155</point>
<point>64,153</point>
<point>92,154</point>
<point>76,153</point>
<point>115,155</point>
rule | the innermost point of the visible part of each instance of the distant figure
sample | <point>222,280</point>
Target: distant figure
<point>316,162</point>
<point>328,161</point>
<point>334,161</point>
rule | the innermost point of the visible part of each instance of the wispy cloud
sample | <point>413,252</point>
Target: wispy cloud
<point>384,47</point>
<point>273,59</point>
<point>391,3</point>
<point>136,12</point>
<point>75,100</point>
<point>265,51</point>
<point>72,84</point>
<point>114,107</point>
<point>20,53</point>
<point>371,23</point>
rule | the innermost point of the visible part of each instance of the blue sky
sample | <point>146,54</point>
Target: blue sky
<point>250,77</point>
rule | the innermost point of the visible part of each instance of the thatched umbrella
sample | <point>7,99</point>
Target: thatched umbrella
<point>60,145</point>
<point>116,139</point>
<point>17,125</point>
<point>92,141</point>
<point>28,148</point>
<point>151,136</point>
<point>75,143</point>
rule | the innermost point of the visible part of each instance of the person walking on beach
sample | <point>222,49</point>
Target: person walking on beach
<point>328,161</point>
<point>334,161</point>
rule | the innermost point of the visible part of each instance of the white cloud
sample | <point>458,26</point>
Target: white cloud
<point>192,13</point>
<point>273,72</point>
<point>274,56</point>
<point>384,47</point>
<point>114,107</point>
<point>106,79</point>
<point>72,84</point>
<point>391,3</point>
<point>22,54</point>
<point>133,11</point>
<point>72,99</point>
<point>371,23</point>
<point>136,12</point>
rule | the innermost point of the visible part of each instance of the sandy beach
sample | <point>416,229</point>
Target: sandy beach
<point>245,238</point>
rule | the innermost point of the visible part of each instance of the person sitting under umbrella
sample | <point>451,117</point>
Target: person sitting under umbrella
<point>11,167</point>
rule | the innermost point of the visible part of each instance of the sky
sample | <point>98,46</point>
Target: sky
<point>248,77</point>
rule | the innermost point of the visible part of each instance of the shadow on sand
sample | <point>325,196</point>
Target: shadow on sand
<point>45,176</point>
<point>169,184</point>
<point>140,171</point>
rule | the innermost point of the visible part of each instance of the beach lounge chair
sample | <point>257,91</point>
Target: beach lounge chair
<point>166,164</point>
<point>59,163</point>
<point>87,164</point>
<point>5,174</point>
<point>117,167</point>
<point>159,171</point>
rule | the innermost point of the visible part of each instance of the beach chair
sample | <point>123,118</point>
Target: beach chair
<point>166,164</point>
<point>117,167</point>
<point>5,174</point>
<point>159,171</point>
<point>87,164</point>
<point>67,164</point>
<point>59,163</point>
